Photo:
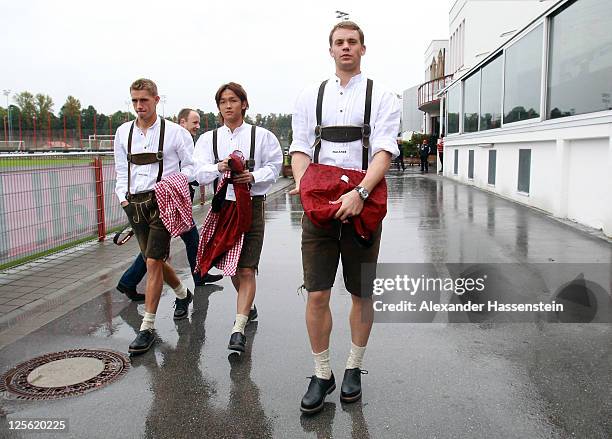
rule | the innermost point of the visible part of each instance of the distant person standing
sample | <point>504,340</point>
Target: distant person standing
<point>423,154</point>
<point>400,157</point>
<point>441,152</point>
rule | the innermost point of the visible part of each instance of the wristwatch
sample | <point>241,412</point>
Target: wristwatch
<point>363,192</point>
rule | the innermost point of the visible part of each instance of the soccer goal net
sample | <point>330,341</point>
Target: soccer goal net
<point>11,145</point>
<point>101,142</point>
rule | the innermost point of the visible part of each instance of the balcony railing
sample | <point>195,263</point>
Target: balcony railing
<point>428,91</point>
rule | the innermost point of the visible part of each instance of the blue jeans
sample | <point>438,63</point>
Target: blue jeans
<point>138,269</point>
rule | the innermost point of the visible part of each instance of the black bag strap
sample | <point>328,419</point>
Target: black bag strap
<point>317,144</point>
<point>366,130</point>
<point>251,161</point>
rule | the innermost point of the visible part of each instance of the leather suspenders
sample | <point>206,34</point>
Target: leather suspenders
<point>146,158</point>
<point>343,134</point>
<point>250,161</point>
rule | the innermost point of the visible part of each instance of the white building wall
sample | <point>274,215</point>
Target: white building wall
<point>432,52</point>
<point>571,166</point>
<point>480,26</point>
<point>412,118</point>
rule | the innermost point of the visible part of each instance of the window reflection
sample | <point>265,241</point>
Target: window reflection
<point>453,105</point>
<point>522,77</point>
<point>491,95</point>
<point>580,68</point>
<point>470,103</point>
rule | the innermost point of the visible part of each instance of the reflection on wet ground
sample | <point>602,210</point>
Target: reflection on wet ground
<point>425,380</point>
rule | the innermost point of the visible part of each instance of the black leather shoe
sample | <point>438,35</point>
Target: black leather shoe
<point>209,279</point>
<point>131,293</point>
<point>351,385</point>
<point>143,342</point>
<point>252,315</point>
<point>318,389</point>
<point>181,306</point>
<point>237,342</point>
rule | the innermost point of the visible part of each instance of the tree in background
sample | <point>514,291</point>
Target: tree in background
<point>44,106</point>
<point>71,110</point>
<point>25,102</point>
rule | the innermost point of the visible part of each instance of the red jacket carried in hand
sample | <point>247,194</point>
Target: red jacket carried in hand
<point>322,184</point>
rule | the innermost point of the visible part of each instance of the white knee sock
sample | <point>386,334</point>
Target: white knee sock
<point>180,291</point>
<point>148,321</point>
<point>322,368</point>
<point>240,323</point>
<point>355,357</point>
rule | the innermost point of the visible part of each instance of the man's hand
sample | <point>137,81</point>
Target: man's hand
<point>124,203</point>
<point>296,189</point>
<point>244,177</point>
<point>223,166</point>
<point>352,205</point>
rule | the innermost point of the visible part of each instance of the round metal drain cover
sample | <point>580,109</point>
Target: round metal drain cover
<point>63,374</point>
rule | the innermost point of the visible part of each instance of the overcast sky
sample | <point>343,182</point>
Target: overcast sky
<point>273,48</point>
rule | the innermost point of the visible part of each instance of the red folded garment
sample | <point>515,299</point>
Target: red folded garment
<point>321,184</point>
<point>225,225</point>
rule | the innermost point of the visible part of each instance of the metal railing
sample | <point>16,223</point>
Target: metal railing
<point>427,92</point>
<point>48,201</point>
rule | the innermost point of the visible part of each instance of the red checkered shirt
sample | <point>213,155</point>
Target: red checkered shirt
<point>174,201</point>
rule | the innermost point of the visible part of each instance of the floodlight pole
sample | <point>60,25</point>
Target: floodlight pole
<point>163,101</point>
<point>7,93</point>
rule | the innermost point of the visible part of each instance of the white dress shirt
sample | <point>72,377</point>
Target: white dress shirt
<point>268,155</point>
<point>178,148</point>
<point>346,106</point>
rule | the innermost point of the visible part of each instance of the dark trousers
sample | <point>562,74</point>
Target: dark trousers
<point>138,269</point>
<point>441,155</point>
<point>424,164</point>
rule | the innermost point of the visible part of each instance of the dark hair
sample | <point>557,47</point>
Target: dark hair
<point>236,88</point>
<point>346,24</point>
<point>184,114</point>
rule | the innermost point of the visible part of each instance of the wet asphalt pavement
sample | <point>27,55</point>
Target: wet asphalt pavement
<point>436,380</point>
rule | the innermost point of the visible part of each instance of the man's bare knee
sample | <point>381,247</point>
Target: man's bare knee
<point>319,299</point>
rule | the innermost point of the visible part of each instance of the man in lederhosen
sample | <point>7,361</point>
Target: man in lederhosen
<point>265,158</point>
<point>147,150</point>
<point>190,120</point>
<point>350,122</point>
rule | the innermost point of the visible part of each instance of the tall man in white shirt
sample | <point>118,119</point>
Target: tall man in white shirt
<point>235,134</point>
<point>147,150</point>
<point>344,105</point>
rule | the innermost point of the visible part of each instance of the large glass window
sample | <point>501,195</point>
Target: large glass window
<point>491,94</point>
<point>471,89</point>
<point>522,77</point>
<point>453,102</point>
<point>580,66</point>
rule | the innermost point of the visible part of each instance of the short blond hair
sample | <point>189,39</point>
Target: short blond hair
<point>144,84</point>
